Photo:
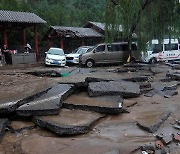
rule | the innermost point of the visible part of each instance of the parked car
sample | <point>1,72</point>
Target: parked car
<point>74,56</point>
<point>107,53</point>
<point>169,49</point>
<point>55,56</point>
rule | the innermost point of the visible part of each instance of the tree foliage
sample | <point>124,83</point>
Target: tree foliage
<point>147,18</point>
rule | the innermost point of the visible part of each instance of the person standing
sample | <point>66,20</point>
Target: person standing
<point>0,58</point>
<point>27,48</point>
<point>7,55</point>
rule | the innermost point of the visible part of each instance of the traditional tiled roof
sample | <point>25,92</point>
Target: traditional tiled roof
<point>20,17</point>
<point>76,31</point>
<point>98,25</point>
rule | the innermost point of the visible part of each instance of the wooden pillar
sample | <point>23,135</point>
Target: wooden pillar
<point>82,42</point>
<point>61,44</point>
<point>24,37</point>
<point>5,38</point>
<point>49,43</point>
<point>36,43</point>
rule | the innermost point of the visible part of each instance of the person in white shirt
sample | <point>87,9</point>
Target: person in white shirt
<point>27,48</point>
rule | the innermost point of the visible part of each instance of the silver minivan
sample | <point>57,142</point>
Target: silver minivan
<point>107,53</point>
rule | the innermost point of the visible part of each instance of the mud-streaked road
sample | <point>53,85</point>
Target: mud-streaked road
<point>112,134</point>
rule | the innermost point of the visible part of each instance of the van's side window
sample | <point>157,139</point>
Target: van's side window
<point>124,47</point>
<point>100,48</point>
<point>169,47</point>
<point>157,48</point>
<point>113,47</point>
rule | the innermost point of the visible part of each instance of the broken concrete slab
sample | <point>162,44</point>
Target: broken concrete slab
<point>69,122</point>
<point>144,85</point>
<point>48,73</point>
<point>170,93</point>
<point>93,79</point>
<point>147,147</point>
<point>8,107</point>
<point>133,79</point>
<point>154,127</point>
<point>163,90</point>
<point>121,70</point>
<point>176,126</point>
<point>135,65</point>
<point>3,124</point>
<point>47,104</point>
<point>124,88</point>
<point>137,79</point>
<point>176,67</point>
<point>101,104</point>
<point>174,76</point>
<point>167,139</point>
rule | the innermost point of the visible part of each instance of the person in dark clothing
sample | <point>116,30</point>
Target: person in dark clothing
<point>7,55</point>
<point>0,58</point>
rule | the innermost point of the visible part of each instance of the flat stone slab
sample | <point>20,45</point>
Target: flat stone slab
<point>101,104</point>
<point>68,122</point>
<point>48,103</point>
<point>153,127</point>
<point>123,88</point>
<point>3,124</point>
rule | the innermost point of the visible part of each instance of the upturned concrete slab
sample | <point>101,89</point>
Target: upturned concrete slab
<point>48,103</point>
<point>68,122</point>
<point>124,88</point>
<point>154,126</point>
<point>174,76</point>
<point>133,79</point>
<point>8,107</point>
<point>101,104</point>
<point>3,124</point>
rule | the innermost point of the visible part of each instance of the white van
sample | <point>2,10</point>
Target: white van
<point>168,50</point>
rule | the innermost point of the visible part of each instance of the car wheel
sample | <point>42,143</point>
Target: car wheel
<point>89,63</point>
<point>153,61</point>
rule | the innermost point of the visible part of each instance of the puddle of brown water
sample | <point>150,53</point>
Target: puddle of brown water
<point>84,99</point>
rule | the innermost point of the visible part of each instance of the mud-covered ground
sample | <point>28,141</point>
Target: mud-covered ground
<point>112,134</point>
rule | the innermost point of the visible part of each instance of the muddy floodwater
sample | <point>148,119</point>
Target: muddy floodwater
<point>110,134</point>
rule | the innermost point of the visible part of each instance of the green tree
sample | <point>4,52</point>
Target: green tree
<point>147,18</point>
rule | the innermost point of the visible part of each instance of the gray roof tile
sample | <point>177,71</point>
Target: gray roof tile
<point>20,17</point>
<point>77,31</point>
